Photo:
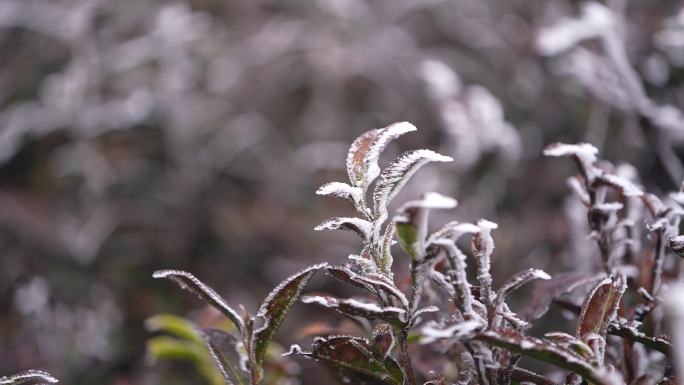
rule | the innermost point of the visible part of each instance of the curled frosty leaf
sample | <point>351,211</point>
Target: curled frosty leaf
<point>395,176</point>
<point>189,282</point>
<point>355,308</point>
<point>518,280</point>
<point>462,330</point>
<point>362,159</point>
<point>359,226</point>
<point>28,375</point>
<point>342,190</point>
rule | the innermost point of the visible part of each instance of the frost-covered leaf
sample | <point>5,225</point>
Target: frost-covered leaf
<point>374,283</point>
<point>188,282</point>
<point>572,343</point>
<point>544,350</point>
<point>395,176</point>
<point>355,354</point>
<point>462,330</point>
<point>355,308</point>
<point>518,280</point>
<point>584,153</point>
<point>580,190</point>
<point>28,375</point>
<point>626,187</point>
<point>600,307</point>
<point>382,341</point>
<point>362,159</point>
<point>229,354</point>
<point>625,329</point>
<point>275,307</point>
<point>453,230</point>
<point>412,222</point>
<point>386,260</point>
<point>676,244</point>
<point>342,190</point>
<point>547,291</point>
<point>359,226</point>
<point>483,247</point>
<point>457,274</point>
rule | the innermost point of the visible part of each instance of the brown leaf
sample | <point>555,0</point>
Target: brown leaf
<point>600,306</point>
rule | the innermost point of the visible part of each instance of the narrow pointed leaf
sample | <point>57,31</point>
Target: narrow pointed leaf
<point>354,308</point>
<point>600,307</point>
<point>189,282</point>
<point>276,306</point>
<point>362,159</point>
<point>354,354</point>
<point>229,355</point>
<point>394,177</point>
<point>28,375</point>
<point>545,351</point>
<point>518,280</point>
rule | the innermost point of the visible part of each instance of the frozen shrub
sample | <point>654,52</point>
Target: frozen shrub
<point>472,333</point>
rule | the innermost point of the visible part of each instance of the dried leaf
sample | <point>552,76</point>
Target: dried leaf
<point>275,307</point>
<point>354,308</point>
<point>600,307</point>
<point>28,375</point>
<point>355,354</point>
<point>188,282</point>
<point>359,226</point>
<point>229,355</point>
<point>362,159</point>
<point>394,177</point>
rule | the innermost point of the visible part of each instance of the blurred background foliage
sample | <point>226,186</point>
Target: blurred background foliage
<point>139,135</point>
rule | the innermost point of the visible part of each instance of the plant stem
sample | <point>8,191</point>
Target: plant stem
<point>404,357</point>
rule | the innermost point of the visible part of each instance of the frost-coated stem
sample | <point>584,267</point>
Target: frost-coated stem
<point>657,272</point>
<point>405,358</point>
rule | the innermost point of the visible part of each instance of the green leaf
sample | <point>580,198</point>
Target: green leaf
<point>178,326</point>
<point>274,309</point>
<point>165,347</point>
<point>188,282</point>
<point>229,355</point>
<point>28,375</point>
<point>355,354</point>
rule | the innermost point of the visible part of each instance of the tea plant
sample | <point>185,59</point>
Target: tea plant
<point>474,334</point>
